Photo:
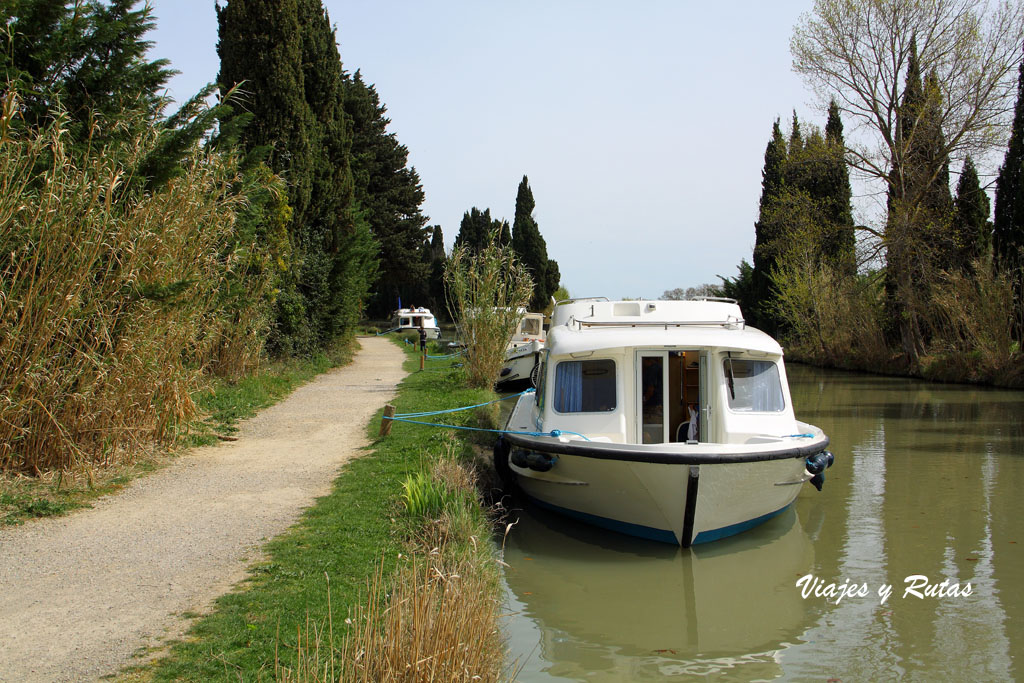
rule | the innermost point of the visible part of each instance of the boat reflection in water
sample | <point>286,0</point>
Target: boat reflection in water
<point>607,607</point>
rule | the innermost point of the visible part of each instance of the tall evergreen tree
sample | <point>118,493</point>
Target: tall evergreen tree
<point>285,55</point>
<point>839,243</point>
<point>971,228</point>
<point>437,258</point>
<point>389,194</point>
<point>1008,229</point>
<point>531,249</point>
<point>766,232</point>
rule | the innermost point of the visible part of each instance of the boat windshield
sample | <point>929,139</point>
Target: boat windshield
<point>530,326</point>
<point>754,386</point>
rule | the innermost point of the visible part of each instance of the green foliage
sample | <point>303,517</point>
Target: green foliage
<point>531,249</point>
<point>487,290</point>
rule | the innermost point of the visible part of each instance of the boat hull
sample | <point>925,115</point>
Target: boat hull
<point>665,494</point>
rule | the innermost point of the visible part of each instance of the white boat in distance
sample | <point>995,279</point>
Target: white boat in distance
<point>406,319</point>
<point>522,356</point>
<point>669,420</point>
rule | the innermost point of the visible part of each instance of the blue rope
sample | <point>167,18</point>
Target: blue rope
<point>427,413</point>
<point>450,355</point>
<point>803,436</point>
<point>554,432</point>
<point>387,331</point>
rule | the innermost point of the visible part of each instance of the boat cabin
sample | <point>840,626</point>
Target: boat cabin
<point>662,372</point>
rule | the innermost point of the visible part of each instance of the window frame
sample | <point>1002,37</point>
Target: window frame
<point>615,386</point>
<point>729,393</point>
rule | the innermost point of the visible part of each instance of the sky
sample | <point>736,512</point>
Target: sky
<point>641,126</point>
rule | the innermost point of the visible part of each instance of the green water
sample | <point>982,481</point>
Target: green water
<point>927,481</point>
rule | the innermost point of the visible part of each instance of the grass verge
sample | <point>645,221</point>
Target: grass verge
<point>324,584</point>
<point>222,404</point>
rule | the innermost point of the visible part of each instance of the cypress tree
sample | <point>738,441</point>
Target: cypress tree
<point>437,258</point>
<point>766,232</point>
<point>839,242</point>
<point>531,249</point>
<point>389,195</point>
<point>971,229</point>
<point>1008,232</point>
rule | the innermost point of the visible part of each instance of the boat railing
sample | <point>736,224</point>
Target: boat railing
<point>723,299</point>
<point>729,323</point>
<point>578,299</point>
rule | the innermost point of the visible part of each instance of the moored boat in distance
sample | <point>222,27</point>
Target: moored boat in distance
<point>669,420</point>
<point>415,318</point>
<point>522,356</point>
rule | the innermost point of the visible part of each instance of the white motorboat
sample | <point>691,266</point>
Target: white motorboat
<point>669,420</point>
<point>522,356</point>
<point>406,319</point>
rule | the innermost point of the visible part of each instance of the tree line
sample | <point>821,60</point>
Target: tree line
<point>928,281</point>
<point>143,249</point>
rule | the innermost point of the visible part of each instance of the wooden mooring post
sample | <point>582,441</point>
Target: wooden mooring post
<point>386,422</point>
<point>423,358</point>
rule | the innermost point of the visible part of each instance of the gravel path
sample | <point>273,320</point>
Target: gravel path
<point>79,594</point>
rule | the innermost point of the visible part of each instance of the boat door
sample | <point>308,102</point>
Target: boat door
<point>652,396</point>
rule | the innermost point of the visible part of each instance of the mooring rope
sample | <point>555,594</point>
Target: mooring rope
<point>406,417</point>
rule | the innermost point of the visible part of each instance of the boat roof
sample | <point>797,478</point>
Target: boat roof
<point>582,325</point>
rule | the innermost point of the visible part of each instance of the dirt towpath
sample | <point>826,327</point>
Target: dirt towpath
<point>80,594</point>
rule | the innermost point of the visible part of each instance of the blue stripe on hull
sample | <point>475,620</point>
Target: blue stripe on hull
<point>647,532</point>
<point>733,529</point>
<point>661,535</point>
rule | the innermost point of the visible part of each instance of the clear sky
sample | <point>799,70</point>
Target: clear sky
<point>641,126</point>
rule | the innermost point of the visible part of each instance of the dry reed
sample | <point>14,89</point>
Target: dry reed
<point>111,300</point>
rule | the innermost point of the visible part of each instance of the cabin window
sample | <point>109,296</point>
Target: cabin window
<point>585,386</point>
<point>531,326</point>
<point>753,385</point>
<point>405,322</point>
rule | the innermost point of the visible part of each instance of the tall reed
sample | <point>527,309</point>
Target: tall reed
<point>111,299</point>
<point>487,292</point>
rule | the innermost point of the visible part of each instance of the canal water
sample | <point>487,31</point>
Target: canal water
<point>927,483</point>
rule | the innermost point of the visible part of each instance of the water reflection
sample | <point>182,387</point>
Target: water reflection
<point>926,481</point>
<point>610,607</point>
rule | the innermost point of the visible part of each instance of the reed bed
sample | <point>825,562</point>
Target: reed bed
<point>112,300</point>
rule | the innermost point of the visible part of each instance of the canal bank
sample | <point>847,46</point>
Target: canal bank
<point>322,580</point>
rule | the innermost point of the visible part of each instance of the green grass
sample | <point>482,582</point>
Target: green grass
<point>222,404</point>
<point>346,536</point>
